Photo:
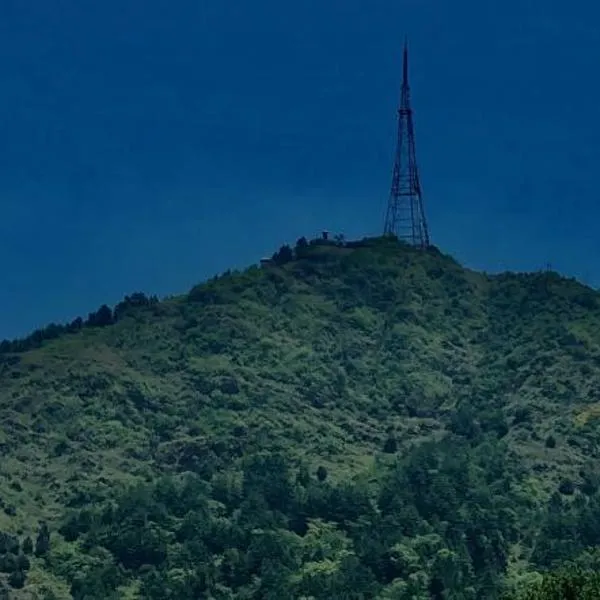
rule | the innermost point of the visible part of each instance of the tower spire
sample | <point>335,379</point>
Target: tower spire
<point>405,216</point>
<point>405,63</point>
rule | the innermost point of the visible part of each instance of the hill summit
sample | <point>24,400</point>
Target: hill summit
<point>347,420</point>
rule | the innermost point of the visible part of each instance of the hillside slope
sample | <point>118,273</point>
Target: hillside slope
<point>343,356</point>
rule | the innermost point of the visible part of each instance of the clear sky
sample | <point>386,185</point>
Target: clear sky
<point>147,145</point>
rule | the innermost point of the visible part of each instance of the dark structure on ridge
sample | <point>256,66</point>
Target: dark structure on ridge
<point>405,216</point>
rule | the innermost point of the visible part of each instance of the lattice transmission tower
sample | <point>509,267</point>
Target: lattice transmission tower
<point>405,216</point>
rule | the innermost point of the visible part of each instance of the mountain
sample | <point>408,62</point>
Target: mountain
<point>347,420</point>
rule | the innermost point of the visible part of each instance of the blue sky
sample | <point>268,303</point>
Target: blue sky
<point>146,144</point>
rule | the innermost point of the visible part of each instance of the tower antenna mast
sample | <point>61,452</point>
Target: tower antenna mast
<point>405,216</point>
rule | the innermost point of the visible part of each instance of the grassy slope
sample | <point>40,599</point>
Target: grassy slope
<point>325,355</point>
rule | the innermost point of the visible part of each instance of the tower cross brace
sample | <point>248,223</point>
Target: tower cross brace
<point>405,217</point>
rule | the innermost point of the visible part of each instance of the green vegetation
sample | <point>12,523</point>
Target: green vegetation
<point>352,421</point>
<point>571,581</point>
<point>102,317</point>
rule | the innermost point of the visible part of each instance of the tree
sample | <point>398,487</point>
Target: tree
<point>391,445</point>
<point>136,300</point>
<point>42,542</point>
<point>301,248</point>
<point>463,423</point>
<point>283,255</point>
<point>101,318</point>
<point>303,476</point>
<point>27,545</point>
<point>566,487</point>
<point>75,324</point>
<point>569,583</point>
<point>321,473</point>
<point>23,563</point>
<point>9,563</point>
<point>8,543</point>
<point>268,476</point>
<point>17,579</point>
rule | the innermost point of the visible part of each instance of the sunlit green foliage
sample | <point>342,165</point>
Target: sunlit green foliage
<point>351,420</point>
<point>291,536</point>
<point>569,583</point>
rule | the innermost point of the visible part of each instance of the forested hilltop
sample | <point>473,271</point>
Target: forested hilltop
<point>350,420</point>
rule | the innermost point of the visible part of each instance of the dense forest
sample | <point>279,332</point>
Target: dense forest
<point>352,420</point>
<point>102,317</point>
